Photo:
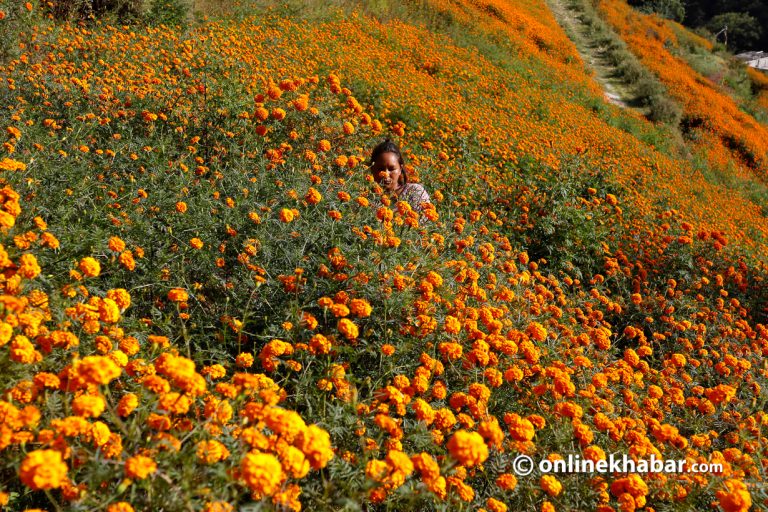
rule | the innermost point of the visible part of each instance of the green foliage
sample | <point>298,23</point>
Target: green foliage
<point>672,9</point>
<point>168,12</point>
<point>651,94</point>
<point>743,29</point>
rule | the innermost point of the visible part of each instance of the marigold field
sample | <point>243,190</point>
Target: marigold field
<point>207,303</point>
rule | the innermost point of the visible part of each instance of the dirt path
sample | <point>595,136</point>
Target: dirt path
<point>593,55</point>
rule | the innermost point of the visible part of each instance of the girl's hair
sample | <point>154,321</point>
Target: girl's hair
<point>389,146</point>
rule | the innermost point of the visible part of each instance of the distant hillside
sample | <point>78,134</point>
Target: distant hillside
<point>211,300</point>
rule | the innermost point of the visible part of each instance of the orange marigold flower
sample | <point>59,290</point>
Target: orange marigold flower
<point>97,369</point>
<point>139,467</point>
<point>721,393</point>
<point>120,506</point>
<point>244,360</point>
<point>210,452</point>
<point>468,448</point>
<point>196,243</point>
<point>43,470</point>
<point>348,328</point>
<point>116,244</point>
<point>121,297</point>
<point>301,103</point>
<point>316,445</point>
<point>313,196</point>
<point>495,505</point>
<point>178,295</point>
<point>89,267</point>
<point>217,506</point>
<point>536,331</point>
<point>735,497</point>
<point>324,145</point>
<point>127,404</point>
<point>286,215</point>
<point>278,114</point>
<point>360,308</point>
<point>319,344</point>
<point>262,473</point>
<point>88,406</point>
<point>181,207</point>
<point>551,485</point>
<point>507,481</point>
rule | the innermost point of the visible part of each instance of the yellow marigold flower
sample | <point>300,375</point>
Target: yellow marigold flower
<point>468,448</point>
<point>43,470</point>
<point>349,128</point>
<point>551,485</point>
<point>348,328</point>
<point>100,433</point>
<point>196,243</point>
<point>22,350</point>
<point>89,267</point>
<point>139,467</point>
<point>109,311</point>
<point>274,92</point>
<point>214,371</point>
<point>316,445</point>
<point>178,295</point>
<point>210,452</point>
<point>244,360</point>
<point>88,406</point>
<point>262,473</point>
<point>6,331</point>
<point>294,462</point>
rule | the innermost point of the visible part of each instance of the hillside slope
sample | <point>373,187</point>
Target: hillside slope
<point>208,304</point>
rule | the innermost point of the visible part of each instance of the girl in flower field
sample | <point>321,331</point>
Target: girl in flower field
<point>388,169</point>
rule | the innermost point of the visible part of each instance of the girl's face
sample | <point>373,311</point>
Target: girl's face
<point>387,171</point>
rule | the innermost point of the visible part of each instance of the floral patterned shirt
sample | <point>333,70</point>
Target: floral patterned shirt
<point>415,194</point>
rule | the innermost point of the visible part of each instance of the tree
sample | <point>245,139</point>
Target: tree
<point>672,9</point>
<point>743,30</point>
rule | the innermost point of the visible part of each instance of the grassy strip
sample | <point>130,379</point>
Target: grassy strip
<point>650,92</point>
